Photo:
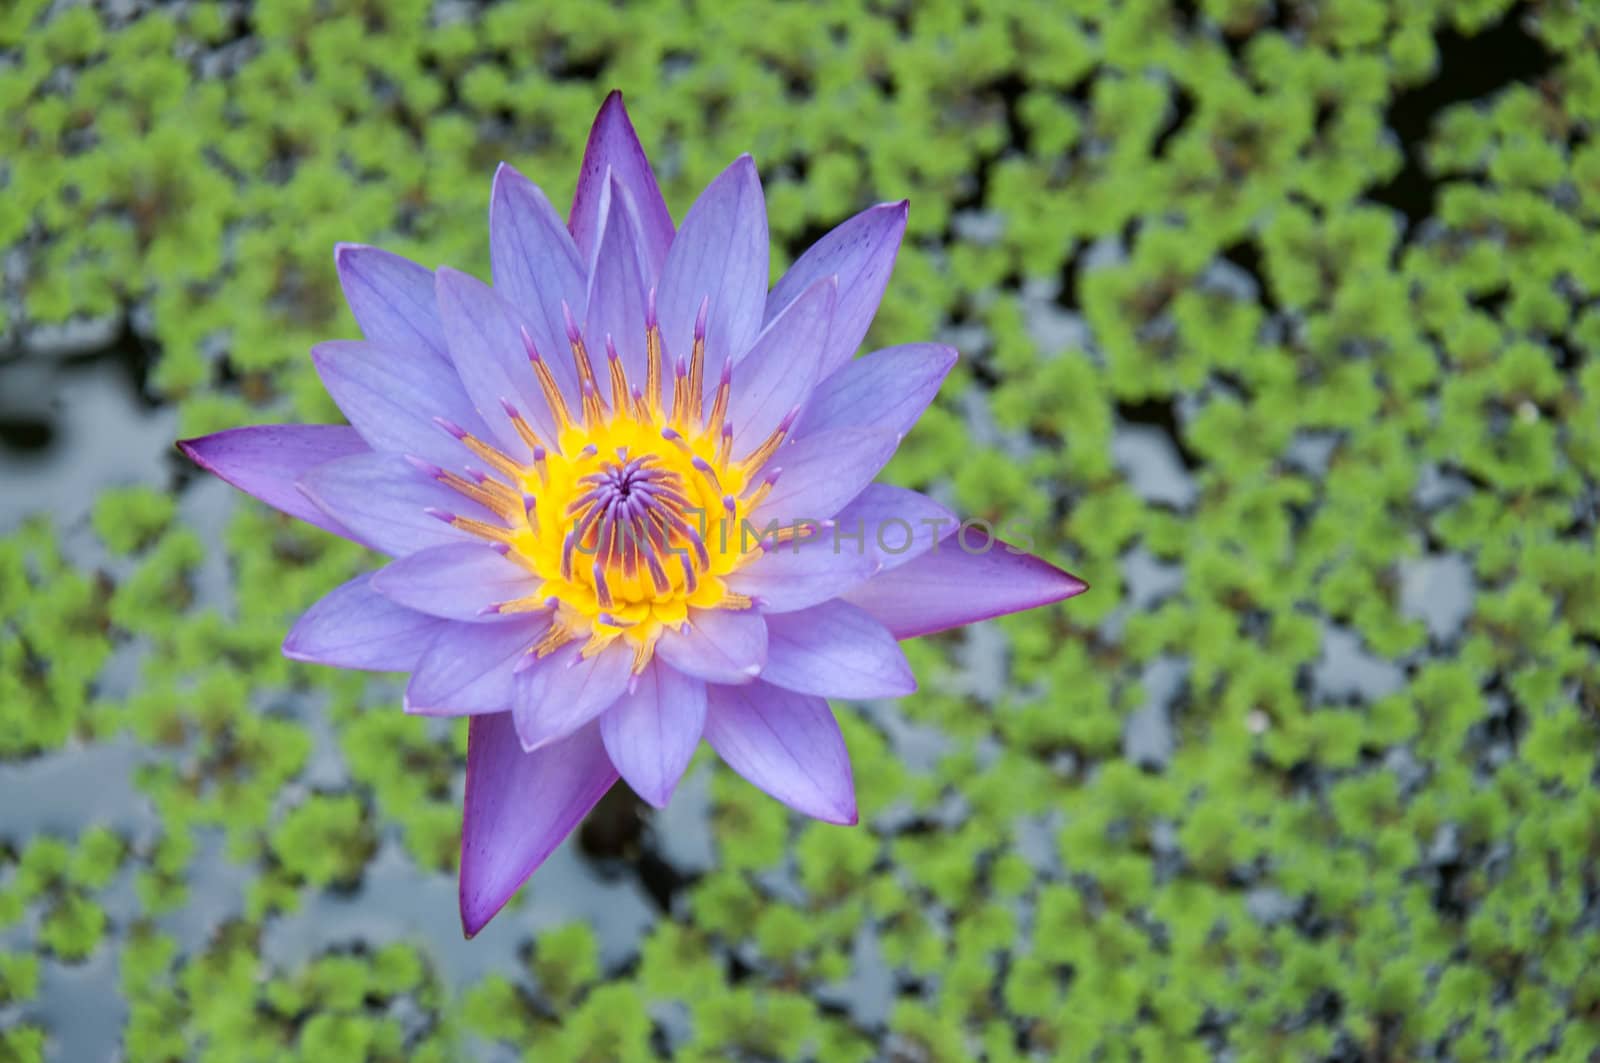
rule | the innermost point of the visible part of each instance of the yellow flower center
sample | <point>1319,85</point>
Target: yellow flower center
<point>634,513</point>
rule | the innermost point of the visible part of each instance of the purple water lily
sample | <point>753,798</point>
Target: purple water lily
<point>628,494</point>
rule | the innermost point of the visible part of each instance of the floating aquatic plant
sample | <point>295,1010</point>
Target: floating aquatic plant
<point>629,496</point>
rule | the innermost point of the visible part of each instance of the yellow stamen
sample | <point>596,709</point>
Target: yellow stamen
<point>597,641</point>
<point>652,372</point>
<point>752,464</point>
<point>483,529</point>
<point>558,636</point>
<point>552,394</point>
<point>491,456</point>
<point>593,411</point>
<point>491,494</point>
<point>530,604</point>
<point>680,395</point>
<point>719,405</point>
<point>790,532</point>
<point>524,429</point>
<point>759,495</point>
<point>580,356</point>
<point>697,374</point>
<point>619,379</point>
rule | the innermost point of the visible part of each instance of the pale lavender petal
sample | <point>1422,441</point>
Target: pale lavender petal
<point>835,650</point>
<point>470,668</point>
<point>823,472</point>
<point>786,744</point>
<point>392,300</point>
<point>384,501</point>
<point>781,369</point>
<point>519,806</point>
<point>718,645</point>
<point>567,692</point>
<point>491,358</point>
<point>651,733</point>
<point>617,292</point>
<point>720,254</point>
<point>536,265</point>
<point>861,252</point>
<point>893,524</point>
<point>352,626</point>
<point>458,581</point>
<point>887,389</point>
<point>265,461</point>
<point>392,399</point>
<point>613,145</point>
<point>949,586</point>
<point>792,576</point>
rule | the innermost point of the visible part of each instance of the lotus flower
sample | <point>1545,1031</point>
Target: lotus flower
<point>628,496</point>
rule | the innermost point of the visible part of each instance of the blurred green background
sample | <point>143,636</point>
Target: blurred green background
<point>1278,322</point>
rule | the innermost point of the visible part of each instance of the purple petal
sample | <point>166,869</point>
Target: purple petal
<point>781,369</point>
<point>887,389</point>
<point>651,733</point>
<point>721,255</point>
<point>785,743</point>
<point>861,252</point>
<point>613,145</point>
<point>392,300</point>
<point>519,806</point>
<point>353,626</point>
<point>468,669</point>
<point>392,399</point>
<point>790,577</point>
<point>895,524</point>
<point>617,291</point>
<point>566,691</point>
<point>384,500</point>
<point>458,581</point>
<point>487,347</point>
<point>265,461</point>
<point>719,645</point>
<point>823,472</point>
<point>835,650</point>
<point>948,586</point>
<point>536,265</point>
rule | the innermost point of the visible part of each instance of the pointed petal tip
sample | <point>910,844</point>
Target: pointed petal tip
<point>478,912</point>
<point>473,921</point>
<point>445,278</point>
<point>1056,584</point>
<point>841,815</point>
<point>344,249</point>
<point>657,801</point>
